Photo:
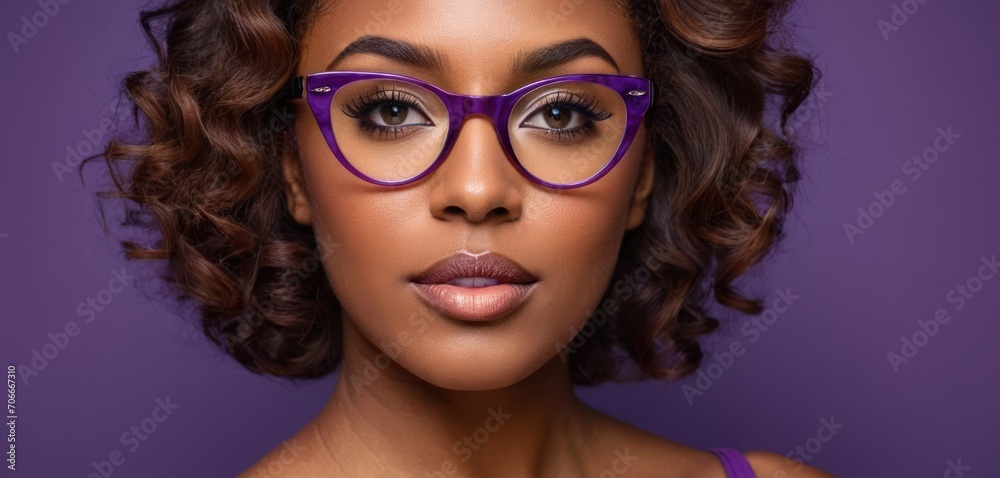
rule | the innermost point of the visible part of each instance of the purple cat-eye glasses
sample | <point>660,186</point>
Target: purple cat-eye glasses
<point>561,132</point>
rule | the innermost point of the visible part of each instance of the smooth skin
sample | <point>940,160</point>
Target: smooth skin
<point>454,398</point>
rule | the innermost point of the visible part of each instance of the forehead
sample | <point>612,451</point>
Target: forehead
<point>474,38</point>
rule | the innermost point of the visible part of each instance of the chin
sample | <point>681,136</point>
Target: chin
<point>472,370</point>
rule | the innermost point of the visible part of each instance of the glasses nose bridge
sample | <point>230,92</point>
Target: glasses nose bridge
<point>460,107</point>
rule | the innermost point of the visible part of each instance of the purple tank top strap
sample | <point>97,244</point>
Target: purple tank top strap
<point>735,463</point>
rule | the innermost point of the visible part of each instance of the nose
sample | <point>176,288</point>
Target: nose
<point>476,181</point>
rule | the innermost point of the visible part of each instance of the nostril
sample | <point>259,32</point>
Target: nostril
<point>499,211</point>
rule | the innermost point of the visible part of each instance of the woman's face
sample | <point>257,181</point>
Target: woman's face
<point>379,238</point>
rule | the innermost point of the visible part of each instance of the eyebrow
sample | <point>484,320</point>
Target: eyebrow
<point>400,51</point>
<point>549,57</point>
<point>425,58</point>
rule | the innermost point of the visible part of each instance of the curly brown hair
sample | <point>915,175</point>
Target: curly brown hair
<point>206,179</point>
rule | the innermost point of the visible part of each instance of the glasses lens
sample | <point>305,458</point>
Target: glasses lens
<point>389,130</point>
<point>566,132</point>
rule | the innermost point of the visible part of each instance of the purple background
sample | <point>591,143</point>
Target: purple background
<point>826,356</point>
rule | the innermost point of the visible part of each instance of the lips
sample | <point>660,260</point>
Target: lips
<point>475,287</point>
<point>463,265</point>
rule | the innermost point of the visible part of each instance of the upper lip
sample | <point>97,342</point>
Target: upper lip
<point>465,264</point>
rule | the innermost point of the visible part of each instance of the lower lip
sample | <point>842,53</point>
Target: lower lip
<point>477,304</point>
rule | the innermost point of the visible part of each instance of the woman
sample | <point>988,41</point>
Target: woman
<point>469,207</point>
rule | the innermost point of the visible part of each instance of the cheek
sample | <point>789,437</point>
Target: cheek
<point>581,237</point>
<point>366,226</point>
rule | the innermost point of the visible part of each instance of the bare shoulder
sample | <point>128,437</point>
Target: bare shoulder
<point>295,456</point>
<point>773,465</point>
<point>279,462</point>
<point>647,454</point>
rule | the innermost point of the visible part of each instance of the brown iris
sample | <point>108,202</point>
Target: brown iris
<point>394,114</point>
<point>556,118</point>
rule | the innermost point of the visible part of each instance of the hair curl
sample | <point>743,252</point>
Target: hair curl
<point>206,179</point>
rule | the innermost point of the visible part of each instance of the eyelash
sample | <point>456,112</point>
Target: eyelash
<point>578,103</point>
<point>361,107</point>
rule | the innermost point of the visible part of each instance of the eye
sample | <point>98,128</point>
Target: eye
<point>556,116</point>
<point>565,112</point>
<point>396,114</point>
<point>387,113</point>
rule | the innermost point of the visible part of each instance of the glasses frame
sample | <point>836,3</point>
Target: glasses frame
<point>636,93</point>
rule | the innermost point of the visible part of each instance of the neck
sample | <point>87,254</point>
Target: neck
<point>382,417</point>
